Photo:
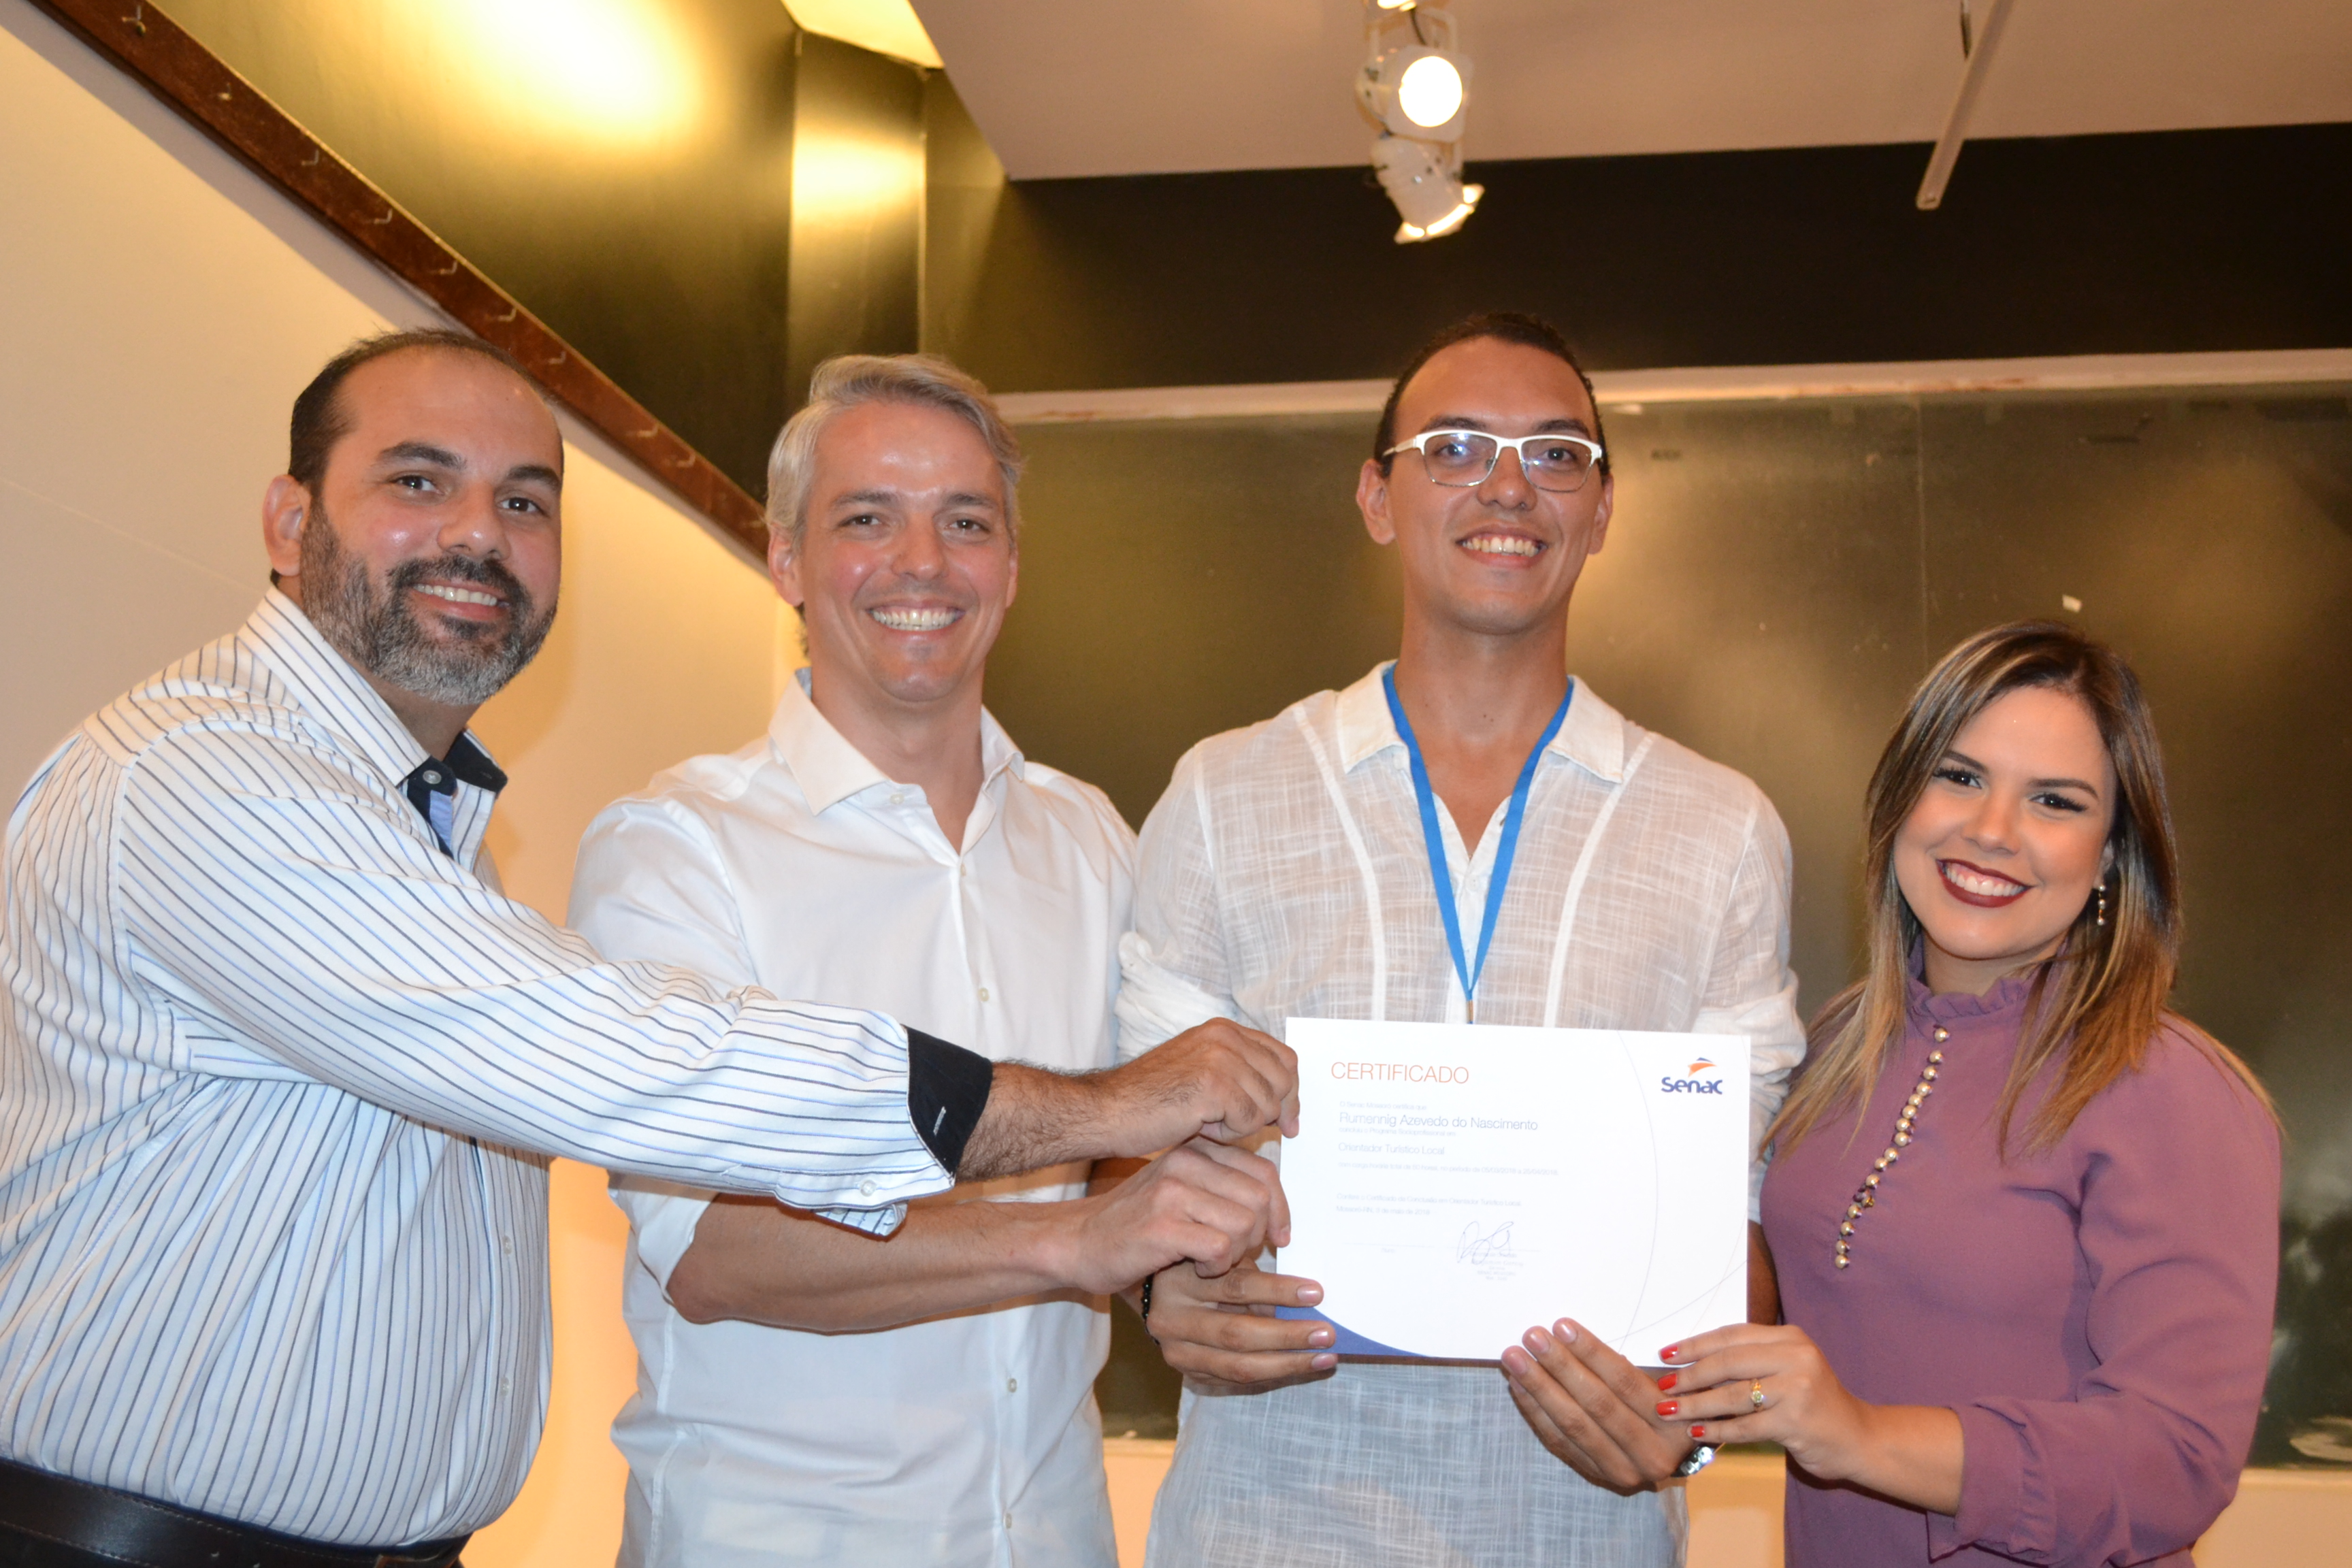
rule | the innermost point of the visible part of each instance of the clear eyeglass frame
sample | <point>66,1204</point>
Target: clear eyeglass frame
<point>1545,472</point>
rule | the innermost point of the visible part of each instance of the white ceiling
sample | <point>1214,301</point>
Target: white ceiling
<point>1124,87</point>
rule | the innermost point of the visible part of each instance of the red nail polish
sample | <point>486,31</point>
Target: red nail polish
<point>1666,1382</point>
<point>1668,1406</point>
<point>1668,1354</point>
<point>1698,1432</point>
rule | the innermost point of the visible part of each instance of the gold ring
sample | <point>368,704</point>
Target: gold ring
<point>1756,1395</point>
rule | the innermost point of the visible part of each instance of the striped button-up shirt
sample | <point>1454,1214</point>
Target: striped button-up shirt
<point>278,1080</point>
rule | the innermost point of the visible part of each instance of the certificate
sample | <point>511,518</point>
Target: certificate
<point>1453,1185</point>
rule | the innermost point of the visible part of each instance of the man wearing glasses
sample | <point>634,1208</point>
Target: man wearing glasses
<point>1598,875</point>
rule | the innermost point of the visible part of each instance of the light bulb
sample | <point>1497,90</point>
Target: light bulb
<point>1430,93</point>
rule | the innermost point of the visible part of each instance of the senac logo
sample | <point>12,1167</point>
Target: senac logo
<point>1693,1084</point>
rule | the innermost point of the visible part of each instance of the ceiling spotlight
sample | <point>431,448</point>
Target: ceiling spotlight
<point>1416,87</point>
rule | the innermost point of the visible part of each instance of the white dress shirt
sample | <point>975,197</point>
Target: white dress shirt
<point>965,1439</point>
<point>271,1245</point>
<point>1285,874</point>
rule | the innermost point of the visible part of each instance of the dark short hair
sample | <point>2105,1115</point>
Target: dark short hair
<point>1505,326</point>
<point>320,420</point>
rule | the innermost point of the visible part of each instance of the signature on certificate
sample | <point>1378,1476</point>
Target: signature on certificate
<point>1479,1245</point>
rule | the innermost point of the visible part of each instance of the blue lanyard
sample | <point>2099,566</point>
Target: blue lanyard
<point>1435,840</point>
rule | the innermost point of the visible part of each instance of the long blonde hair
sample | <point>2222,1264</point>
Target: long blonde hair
<point>2098,1003</point>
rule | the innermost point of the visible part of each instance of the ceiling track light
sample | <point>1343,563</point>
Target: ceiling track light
<point>1415,86</point>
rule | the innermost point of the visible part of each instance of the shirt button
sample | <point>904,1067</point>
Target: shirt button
<point>506,1386</point>
<point>865,1189</point>
<point>983,993</point>
<point>506,1244</point>
<point>1012,1386</point>
<point>1008,1518</point>
<point>898,800</point>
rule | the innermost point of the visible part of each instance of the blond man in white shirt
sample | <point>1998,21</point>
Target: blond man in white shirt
<point>1302,867</point>
<point>807,1394</point>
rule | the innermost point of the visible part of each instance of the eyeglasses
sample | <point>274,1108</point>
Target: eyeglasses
<point>1466,459</point>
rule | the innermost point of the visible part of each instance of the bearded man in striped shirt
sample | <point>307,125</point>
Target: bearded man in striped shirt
<point>280,1067</point>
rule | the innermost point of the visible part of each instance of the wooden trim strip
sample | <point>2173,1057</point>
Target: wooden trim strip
<point>190,79</point>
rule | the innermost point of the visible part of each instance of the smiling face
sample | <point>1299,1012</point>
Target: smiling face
<point>2009,837</point>
<point>430,555</point>
<point>904,566</point>
<point>1499,558</point>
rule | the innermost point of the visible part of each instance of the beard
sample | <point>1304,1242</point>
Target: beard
<point>463,665</point>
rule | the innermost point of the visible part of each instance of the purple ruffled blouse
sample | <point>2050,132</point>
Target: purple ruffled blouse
<point>2098,1315</point>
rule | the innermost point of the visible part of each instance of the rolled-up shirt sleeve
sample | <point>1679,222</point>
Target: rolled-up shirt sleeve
<point>2179,1228</point>
<point>1172,965</point>
<point>1750,990</point>
<point>292,926</point>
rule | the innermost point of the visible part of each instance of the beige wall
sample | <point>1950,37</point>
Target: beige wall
<point>159,308</point>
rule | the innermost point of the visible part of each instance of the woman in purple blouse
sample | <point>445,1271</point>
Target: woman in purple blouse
<point>2025,1220</point>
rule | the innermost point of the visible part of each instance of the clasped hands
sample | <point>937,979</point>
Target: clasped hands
<point>1205,1203</point>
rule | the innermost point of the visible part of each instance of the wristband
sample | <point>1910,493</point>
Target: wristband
<point>1145,1310</point>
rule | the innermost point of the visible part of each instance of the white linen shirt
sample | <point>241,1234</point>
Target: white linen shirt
<point>1284,875</point>
<point>273,1241</point>
<point>969,1439</point>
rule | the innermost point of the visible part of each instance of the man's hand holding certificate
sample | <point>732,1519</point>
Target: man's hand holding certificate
<point>1452,1185</point>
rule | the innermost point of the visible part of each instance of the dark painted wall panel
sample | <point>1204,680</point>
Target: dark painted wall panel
<point>2088,245</point>
<point>742,200</point>
<point>857,218</point>
<point>652,233</point>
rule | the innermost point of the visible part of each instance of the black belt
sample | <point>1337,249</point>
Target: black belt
<point>145,1533</point>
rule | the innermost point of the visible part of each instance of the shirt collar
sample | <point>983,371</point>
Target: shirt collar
<point>1592,736</point>
<point>329,689</point>
<point>465,763</point>
<point>829,769</point>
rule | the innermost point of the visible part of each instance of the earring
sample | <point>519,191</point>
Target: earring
<point>2103,904</point>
